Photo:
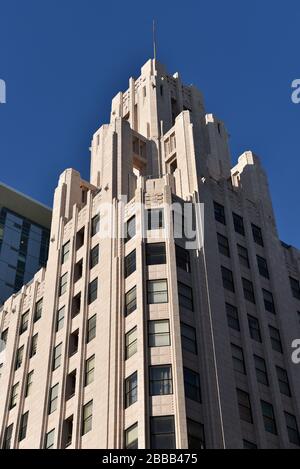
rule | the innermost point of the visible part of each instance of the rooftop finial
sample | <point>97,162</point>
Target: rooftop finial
<point>154,39</point>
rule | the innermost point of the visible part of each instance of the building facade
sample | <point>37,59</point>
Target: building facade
<point>24,240</point>
<point>150,340</point>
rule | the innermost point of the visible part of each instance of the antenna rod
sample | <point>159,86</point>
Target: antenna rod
<point>154,40</point>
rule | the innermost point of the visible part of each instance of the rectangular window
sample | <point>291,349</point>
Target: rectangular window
<point>130,229</point>
<point>87,416</point>
<point>91,328</point>
<point>38,310</point>
<point>192,385</point>
<point>23,426</point>
<point>159,333</point>
<point>219,213</point>
<point>248,290</point>
<point>157,291</point>
<point>24,322</point>
<point>131,437</point>
<point>254,328</point>
<point>233,317</point>
<point>130,264</point>
<point>63,284</point>
<point>183,259</point>
<point>261,370</point>
<point>60,319</point>
<point>185,296</point>
<point>269,301</point>
<point>80,239</point>
<point>238,359</point>
<point>93,291</point>
<point>14,396</point>
<point>78,270</point>
<point>295,286</point>
<point>188,338</point>
<point>57,357</point>
<point>248,445</point>
<point>155,219</point>
<point>29,383</point>
<point>292,428</point>
<point>131,343</point>
<point>269,417</point>
<point>243,256</point>
<point>262,267</point>
<point>163,432</point>
<point>257,235</point>
<point>223,245</point>
<point>275,339</point>
<point>244,406</point>
<point>95,225</point>
<point>196,437</point>
<point>65,254</point>
<point>94,256</point>
<point>33,347</point>
<point>238,224</point>
<point>227,277</point>
<point>8,437</point>
<point>89,370</point>
<point>131,390</point>
<point>155,254</point>
<point>283,380</point>
<point>130,301</point>
<point>49,440</point>
<point>19,357</point>
<point>161,380</point>
<point>53,399</point>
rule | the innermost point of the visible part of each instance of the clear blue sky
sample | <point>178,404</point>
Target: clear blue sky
<point>63,61</point>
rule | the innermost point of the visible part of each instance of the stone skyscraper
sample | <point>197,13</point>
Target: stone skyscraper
<point>149,342</point>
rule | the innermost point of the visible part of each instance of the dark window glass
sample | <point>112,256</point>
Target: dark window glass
<point>131,390</point>
<point>219,213</point>
<point>87,420</point>
<point>19,357</point>
<point>292,428</point>
<point>131,343</point>
<point>257,235</point>
<point>243,256</point>
<point>63,284</point>
<point>249,445</point>
<point>238,359</point>
<point>161,380</point>
<point>261,370</point>
<point>295,286</point>
<point>65,252</point>
<point>185,296</point>
<point>89,370</point>
<point>244,406</point>
<point>223,245</point>
<point>130,301</point>
<point>57,357</point>
<point>8,437</point>
<point>183,259</point>
<point>23,426</point>
<point>155,219</point>
<point>269,417</point>
<point>24,322</point>
<point>232,317</point>
<point>93,291</point>
<point>38,310</point>
<point>188,338</point>
<point>263,267</point>
<point>227,278</point>
<point>94,257</point>
<point>248,290</point>
<point>269,301</point>
<point>60,319</point>
<point>95,225</point>
<point>130,228</point>
<point>238,224</point>
<point>130,263</point>
<point>254,328</point>
<point>196,436</point>
<point>163,432</point>
<point>283,380</point>
<point>53,399</point>
<point>33,346</point>
<point>192,385</point>
<point>275,339</point>
<point>155,254</point>
<point>91,328</point>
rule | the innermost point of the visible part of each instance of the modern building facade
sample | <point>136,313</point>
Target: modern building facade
<point>152,341</point>
<point>24,239</point>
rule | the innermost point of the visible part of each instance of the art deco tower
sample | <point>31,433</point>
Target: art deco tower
<point>147,341</point>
